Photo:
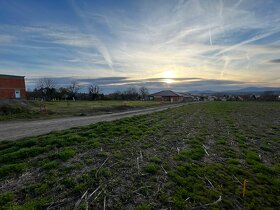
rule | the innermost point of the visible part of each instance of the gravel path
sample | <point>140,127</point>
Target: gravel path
<point>20,129</point>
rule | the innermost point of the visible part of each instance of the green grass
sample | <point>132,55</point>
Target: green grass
<point>65,154</point>
<point>155,161</point>
<point>151,168</point>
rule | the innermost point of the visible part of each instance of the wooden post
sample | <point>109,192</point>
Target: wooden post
<point>244,186</point>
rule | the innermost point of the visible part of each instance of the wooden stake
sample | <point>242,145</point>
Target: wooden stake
<point>244,186</point>
<point>138,167</point>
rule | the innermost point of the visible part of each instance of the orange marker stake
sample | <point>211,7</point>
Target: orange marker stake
<point>244,186</point>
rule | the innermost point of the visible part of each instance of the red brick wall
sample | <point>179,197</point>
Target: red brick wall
<point>8,85</point>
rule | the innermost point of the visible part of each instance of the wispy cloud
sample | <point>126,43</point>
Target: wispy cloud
<point>6,38</point>
<point>111,84</point>
<point>140,40</point>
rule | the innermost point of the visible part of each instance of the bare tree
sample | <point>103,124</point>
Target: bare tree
<point>46,88</point>
<point>143,91</point>
<point>130,93</point>
<point>73,89</point>
<point>94,91</point>
<point>45,83</point>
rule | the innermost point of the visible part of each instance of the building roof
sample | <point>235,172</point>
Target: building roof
<point>184,94</point>
<point>7,76</point>
<point>169,93</point>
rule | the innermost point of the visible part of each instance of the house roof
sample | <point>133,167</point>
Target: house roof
<point>7,76</point>
<point>165,93</point>
<point>184,94</point>
<point>170,93</point>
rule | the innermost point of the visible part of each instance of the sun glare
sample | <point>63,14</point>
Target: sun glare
<point>168,81</point>
<point>168,74</point>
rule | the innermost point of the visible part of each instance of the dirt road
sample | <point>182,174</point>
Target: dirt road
<point>20,129</point>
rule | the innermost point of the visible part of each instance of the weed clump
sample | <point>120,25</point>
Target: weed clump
<point>51,165</point>
<point>151,168</point>
<point>196,153</point>
<point>66,153</point>
<point>155,160</point>
<point>143,206</point>
<point>6,198</point>
<point>12,169</point>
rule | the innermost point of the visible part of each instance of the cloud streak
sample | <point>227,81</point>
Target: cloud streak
<point>111,84</point>
<point>140,40</point>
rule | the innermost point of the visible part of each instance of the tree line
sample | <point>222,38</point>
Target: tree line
<point>47,89</point>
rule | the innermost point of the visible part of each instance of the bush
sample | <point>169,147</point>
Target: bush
<point>8,109</point>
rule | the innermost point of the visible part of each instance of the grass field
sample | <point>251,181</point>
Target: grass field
<point>191,157</point>
<point>31,109</point>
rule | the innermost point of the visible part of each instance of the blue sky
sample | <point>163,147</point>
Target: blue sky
<point>162,44</point>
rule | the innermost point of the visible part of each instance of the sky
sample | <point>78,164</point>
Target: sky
<point>183,45</point>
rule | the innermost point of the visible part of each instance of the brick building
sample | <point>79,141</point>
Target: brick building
<point>12,87</point>
<point>171,96</point>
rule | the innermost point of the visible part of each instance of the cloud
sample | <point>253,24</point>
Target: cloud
<point>228,40</point>
<point>111,84</point>
<point>6,38</point>
<point>274,61</point>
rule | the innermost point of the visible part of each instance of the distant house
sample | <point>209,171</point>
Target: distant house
<point>212,98</point>
<point>170,96</point>
<point>12,87</point>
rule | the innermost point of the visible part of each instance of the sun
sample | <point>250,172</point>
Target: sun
<point>168,74</point>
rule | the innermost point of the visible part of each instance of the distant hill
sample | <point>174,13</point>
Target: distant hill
<point>258,89</point>
<point>239,91</point>
<point>202,92</point>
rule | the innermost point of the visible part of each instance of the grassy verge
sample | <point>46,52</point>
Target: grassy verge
<point>36,109</point>
<point>191,157</point>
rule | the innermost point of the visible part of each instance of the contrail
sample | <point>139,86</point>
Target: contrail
<point>99,45</point>
<point>237,4</point>
<point>225,66</point>
<point>210,36</point>
<point>248,41</point>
